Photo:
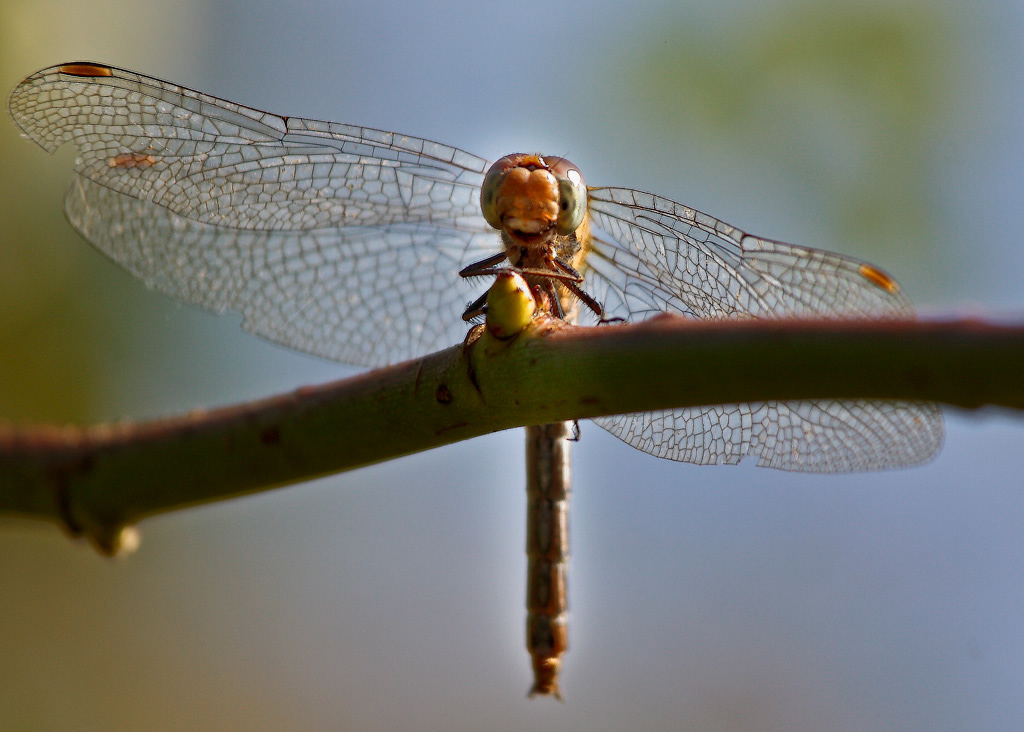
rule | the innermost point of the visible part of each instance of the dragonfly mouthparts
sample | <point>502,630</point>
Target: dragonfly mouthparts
<point>525,226</point>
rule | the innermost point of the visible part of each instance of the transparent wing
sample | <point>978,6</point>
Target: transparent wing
<point>365,295</point>
<point>651,255</point>
<point>338,240</point>
<point>809,436</point>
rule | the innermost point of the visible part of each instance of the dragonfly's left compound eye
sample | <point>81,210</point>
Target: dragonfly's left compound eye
<point>492,184</point>
<point>572,202</point>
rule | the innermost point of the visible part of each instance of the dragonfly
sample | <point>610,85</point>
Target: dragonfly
<point>347,242</point>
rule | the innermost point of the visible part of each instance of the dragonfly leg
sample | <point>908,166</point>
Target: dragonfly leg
<point>556,302</point>
<point>484,266</point>
<point>573,283</point>
<point>475,308</point>
<point>545,273</point>
<point>560,271</point>
<point>479,269</point>
<point>567,268</point>
<point>586,299</point>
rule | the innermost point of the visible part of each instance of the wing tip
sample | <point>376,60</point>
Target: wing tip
<point>19,106</point>
<point>84,68</point>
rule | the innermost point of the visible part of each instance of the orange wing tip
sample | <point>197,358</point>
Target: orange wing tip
<point>85,70</point>
<point>879,278</point>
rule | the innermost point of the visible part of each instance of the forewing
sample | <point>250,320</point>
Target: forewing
<point>337,240</point>
<point>650,255</point>
<point>360,295</point>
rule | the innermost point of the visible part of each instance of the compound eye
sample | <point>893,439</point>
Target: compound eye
<point>493,182</point>
<point>572,202</point>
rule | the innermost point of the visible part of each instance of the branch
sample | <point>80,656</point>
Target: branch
<point>99,479</point>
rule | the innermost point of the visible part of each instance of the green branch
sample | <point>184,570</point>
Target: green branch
<point>98,479</point>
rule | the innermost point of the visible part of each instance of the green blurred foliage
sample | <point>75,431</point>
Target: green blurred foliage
<point>48,336</point>
<point>848,98</point>
<point>70,322</point>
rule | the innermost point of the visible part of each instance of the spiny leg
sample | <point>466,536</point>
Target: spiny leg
<point>483,266</point>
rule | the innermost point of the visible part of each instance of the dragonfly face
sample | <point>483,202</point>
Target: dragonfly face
<point>531,198</point>
<point>539,204</point>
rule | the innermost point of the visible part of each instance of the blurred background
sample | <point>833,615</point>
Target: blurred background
<point>392,597</point>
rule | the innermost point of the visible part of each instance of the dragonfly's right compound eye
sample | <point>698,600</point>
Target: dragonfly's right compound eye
<point>572,202</point>
<point>572,194</point>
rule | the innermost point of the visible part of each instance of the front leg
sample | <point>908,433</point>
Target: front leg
<point>475,308</point>
<point>479,269</point>
<point>484,266</point>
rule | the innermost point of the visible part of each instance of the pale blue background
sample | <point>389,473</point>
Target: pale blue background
<point>391,598</point>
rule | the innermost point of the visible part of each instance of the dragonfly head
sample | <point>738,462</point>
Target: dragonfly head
<point>532,198</point>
